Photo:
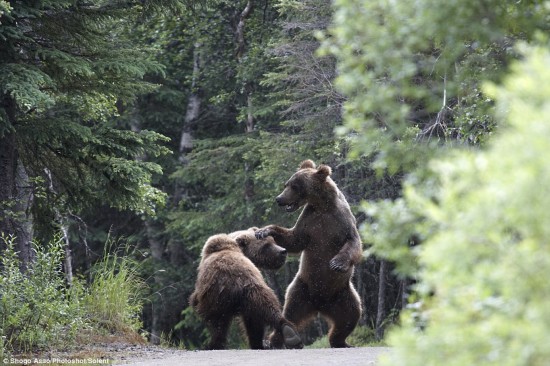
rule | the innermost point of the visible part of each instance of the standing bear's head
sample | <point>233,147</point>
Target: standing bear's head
<point>308,185</point>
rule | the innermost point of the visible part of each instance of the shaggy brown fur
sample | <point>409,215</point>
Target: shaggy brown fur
<point>327,237</point>
<point>229,285</point>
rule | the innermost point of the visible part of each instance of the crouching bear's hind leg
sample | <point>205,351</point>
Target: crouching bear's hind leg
<point>218,331</point>
<point>264,308</point>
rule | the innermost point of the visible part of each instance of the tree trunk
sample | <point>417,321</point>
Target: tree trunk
<point>156,247</point>
<point>360,287</point>
<point>23,222</point>
<point>248,169</point>
<point>239,32</point>
<point>64,227</point>
<point>193,106</point>
<point>250,115</point>
<point>239,53</point>
<point>404,293</point>
<point>157,250</point>
<point>381,313</point>
<point>16,194</point>
<point>8,161</point>
<point>68,262</point>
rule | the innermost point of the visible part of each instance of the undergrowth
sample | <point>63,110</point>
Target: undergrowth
<point>39,311</point>
<point>361,336</point>
<point>114,298</point>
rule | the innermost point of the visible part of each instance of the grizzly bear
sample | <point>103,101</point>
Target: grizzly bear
<point>327,237</point>
<point>230,285</point>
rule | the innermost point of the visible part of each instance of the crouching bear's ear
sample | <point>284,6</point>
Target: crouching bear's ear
<point>323,172</point>
<point>242,242</point>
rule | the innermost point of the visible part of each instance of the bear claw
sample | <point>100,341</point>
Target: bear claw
<point>261,233</point>
<point>338,265</point>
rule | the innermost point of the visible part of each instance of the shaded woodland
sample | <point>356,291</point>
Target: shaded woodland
<point>144,127</point>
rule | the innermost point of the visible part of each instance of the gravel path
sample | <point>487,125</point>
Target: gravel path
<point>314,357</point>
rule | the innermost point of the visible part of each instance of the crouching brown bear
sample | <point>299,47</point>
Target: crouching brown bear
<point>229,284</point>
<point>327,237</point>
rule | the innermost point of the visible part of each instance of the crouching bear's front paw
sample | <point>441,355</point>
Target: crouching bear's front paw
<point>339,264</point>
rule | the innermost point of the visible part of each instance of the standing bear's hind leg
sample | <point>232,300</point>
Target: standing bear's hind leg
<point>298,310</point>
<point>343,315</point>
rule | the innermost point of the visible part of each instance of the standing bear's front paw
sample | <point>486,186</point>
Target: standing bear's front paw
<point>262,233</point>
<point>339,264</point>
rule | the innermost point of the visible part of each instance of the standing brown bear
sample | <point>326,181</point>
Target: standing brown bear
<point>229,285</point>
<point>327,236</point>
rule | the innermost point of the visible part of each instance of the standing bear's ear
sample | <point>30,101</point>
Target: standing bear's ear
<point>323,172</point>
<point>307,164</point>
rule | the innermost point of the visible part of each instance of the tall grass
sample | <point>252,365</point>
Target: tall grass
<point>39,311</point>
<point>114,297</point>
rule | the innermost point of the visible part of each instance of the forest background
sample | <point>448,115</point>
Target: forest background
<point>131,131</point>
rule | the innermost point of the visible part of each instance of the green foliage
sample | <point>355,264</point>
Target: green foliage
<point>4,8</point>
<point>67,70</point>
<point>193,325</point>
<point>114,297</point>
<point>198,335</point>
<point>301,83</point>
<point>97,162</point>
<point>37,310</point>
<point>394,244</point>
<point>361,336</point>
<point>411,71</point>
<point>413,75</point>
<point>483,284</point>
<point>26,85</point>
<point>214,184</point>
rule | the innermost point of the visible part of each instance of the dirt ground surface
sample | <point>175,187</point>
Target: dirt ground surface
<point>121,353</point>
<point>305,357</point>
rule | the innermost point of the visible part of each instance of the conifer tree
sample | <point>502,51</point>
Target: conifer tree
<point>4,7</point>
<point>65,71</point>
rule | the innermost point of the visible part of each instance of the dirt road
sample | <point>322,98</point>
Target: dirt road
<point>305,357</point>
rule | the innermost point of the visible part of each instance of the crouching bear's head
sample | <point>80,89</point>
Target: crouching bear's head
<point>264,253</point>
